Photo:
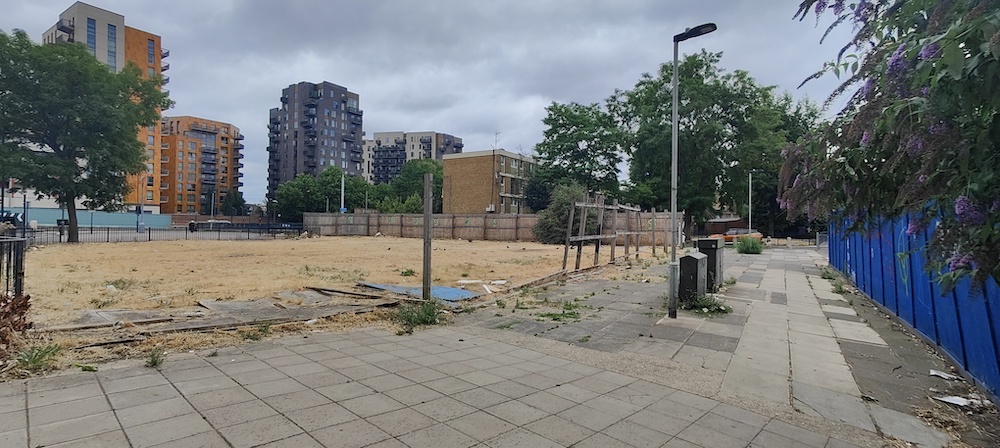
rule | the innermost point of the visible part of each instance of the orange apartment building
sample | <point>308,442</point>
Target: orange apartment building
<point>111,42</point>
<point>201,161</point>
<point>490,181</point>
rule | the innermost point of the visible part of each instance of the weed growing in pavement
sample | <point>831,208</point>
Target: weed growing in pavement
<point>838,288</point>
<point>501,303</point>
<point>730,281</point>
<point>38,358</point>
<point>156,358</point>
<point>417,314</point>
<point>560,317</point>
<point>103,303</point>
<point>706,305</point>
<point>749,245</point>
<point>507,325</point>
<point>584,339</point>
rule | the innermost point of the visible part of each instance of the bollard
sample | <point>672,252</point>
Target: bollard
<point>693,278</point>
<point>788,242</point>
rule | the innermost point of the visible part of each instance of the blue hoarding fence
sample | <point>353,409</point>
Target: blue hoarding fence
<point>889,266</point>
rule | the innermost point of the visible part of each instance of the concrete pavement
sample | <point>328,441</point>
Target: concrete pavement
<point>770,374</point>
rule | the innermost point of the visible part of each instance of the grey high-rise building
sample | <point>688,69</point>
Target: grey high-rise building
<point>388,151</point>
<point>316,127</point>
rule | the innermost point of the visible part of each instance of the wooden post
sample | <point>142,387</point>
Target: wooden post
<point>652,230</point>
<point>614,228</point>
<point>638,236</point>
<point>428,205</point>
<point>628,234</point>
<point>600,230</point>
<point>583,231</point>
<point>569,233</point>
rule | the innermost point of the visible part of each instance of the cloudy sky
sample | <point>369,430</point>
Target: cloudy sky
<point>468,68</point>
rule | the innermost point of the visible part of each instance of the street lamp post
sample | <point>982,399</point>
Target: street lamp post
<point>750,204</point>
<point>674,266</point>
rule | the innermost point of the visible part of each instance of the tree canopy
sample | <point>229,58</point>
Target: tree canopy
<point>920,131</point>
<point>69,125</point>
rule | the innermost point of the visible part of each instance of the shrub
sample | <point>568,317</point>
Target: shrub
<point>413,315</point>
<point>749,245</point>
<point>37,358</point>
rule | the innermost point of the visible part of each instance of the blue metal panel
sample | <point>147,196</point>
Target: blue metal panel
<point>888,274</point>
<point>977,334</point>
<point>902,271</point>
<point>875,279</point>
<point>923,301</point>
<point>947,322</point>
<point>993,316</point>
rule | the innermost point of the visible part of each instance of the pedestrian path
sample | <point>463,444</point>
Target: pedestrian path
<point>771,374</point>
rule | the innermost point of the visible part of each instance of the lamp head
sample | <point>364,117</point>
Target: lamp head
<point>695,32</point>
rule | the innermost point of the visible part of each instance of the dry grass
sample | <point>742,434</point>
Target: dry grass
<point>65,279</point>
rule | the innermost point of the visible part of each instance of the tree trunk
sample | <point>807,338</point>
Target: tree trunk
<point>74,225</point>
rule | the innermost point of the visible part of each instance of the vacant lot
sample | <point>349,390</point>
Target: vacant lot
<point>64,279</point>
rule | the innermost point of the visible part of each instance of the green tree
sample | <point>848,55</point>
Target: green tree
<point>583,143</point>
<point>233,204</point>
<point>551,226</point>
<point>68,125</point>
<point>299,195</point>
<point>728,125</point>
<point>354,190</point>
<point>920,130</point>
<point>410,181</point>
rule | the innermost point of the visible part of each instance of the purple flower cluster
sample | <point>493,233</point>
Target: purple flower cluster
<point>820,7</point>
<point>938,128</point>
<point>861,11</point>
<point>897,65</point>
<point>963,261</point>
<point>914,227</point>
<point>914,146</point>
<point>930,51</point>
<point>922,178</point>
<point>968,212</point>
<point>867,88</point>
<point>783,204</point>
<point>798,179</point>
<point>925,91</point>
<point>995,207</point>
<point>838,7</point>
<point>866,138</point>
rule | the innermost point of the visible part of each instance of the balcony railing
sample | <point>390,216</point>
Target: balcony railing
<point>238,155</point>
<point>65,39</point>
<point>348,137</point>
<point>66,26</point>
<point>306,123</point>
<point>310,112</point>
<point>164,159</point>
<point>239,147</point>
<point>356,119</point>
<point>205,128</point>
<point>164,186</point>
<point>209,150</point>
<point>310,102</point>
<point>164,53</point>
<point>311,133</point>
<point>239,165</point>
<point>206,169</point>
<point>166,80</point>
<point>239,137</point>
<point>355,110</point>
<point>164,67</point>
<point>425,139</point>
<point>275,119</point>
<point>239,175</point>
<point>312,141</point>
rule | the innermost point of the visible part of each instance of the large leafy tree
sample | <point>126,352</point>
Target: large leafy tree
<point>410,180</point>
<point>306,193</point>
<point>728,126</point>
<point>920,131</point>
<point>68,125</point>
<point>583,143</point>
<point>233,204</point>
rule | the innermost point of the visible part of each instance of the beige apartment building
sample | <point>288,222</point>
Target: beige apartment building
<point>489,181</point>
<point>386,152</point>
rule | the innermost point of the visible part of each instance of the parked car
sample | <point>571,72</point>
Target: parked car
<point>733,234</point>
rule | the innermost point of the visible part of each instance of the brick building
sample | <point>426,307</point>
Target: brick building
<point>490,181</point>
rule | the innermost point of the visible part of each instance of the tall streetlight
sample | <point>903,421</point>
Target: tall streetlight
<point>674,267</point>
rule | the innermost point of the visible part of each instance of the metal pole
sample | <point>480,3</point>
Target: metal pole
<point>428,202</point>
<point>674,268</point>
<point>750,204</point>
<point>342,192</point>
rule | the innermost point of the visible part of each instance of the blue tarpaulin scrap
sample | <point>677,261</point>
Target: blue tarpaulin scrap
<point>446,293</point>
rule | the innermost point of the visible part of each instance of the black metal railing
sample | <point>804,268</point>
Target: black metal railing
<point>202,231</point>
<point>12,266</point>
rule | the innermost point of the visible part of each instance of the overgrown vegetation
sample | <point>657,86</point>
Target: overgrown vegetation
<point>38,358</point>
<point>749,245</point>
<point>257,331</point>
<point>414,315</point>
<point>706,305</point>
<point>13,321</point>
<point>408,273</point>
<point>562,316</point>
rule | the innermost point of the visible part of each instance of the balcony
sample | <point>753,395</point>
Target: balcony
<point>166,80</point>
<point>164,67</point>
<point>310,164</point>
<point>206,169</point>
<point>348,137</point>
<point>164,172</point>
<point>164,53</point>
<point>309,152</point>
<point>164,159</point>
<point>209,159</point>
<point>164,186</point>
<point>311,133</point>
<point>358,149</point>
<point>275,119</point>
<point>65,39</point>
<point>356,158</point>
<point>211,129</point>
<point>210,180</point>
<point>239,165</point>
<point>311,102</point>
<point>459,145</point>
<point>425,139</point>
<point>239,147</point>
<point>312,141</point>
<point>307,124</point>
<point>238,175</point>
<point>400,141</point>
<point>238,155</point>
<point>284,99</point>
<point>163,199</point>
<point>239,184</point>
<point>209,150</point>
<point>65,26</point>
<point>314,94</point>
<point>356,119</point>
<point>354,110</point>
<point>310,112</point>
<point>274,138</point>
<point>239,137</point>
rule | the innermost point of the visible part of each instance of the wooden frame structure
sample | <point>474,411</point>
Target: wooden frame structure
<point>632,232</point>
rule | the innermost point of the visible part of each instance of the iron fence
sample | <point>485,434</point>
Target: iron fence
<point>55,235</point>
<point>12,266</point>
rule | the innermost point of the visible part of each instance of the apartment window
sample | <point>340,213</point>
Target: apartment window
<point>180,166</point>
<point>190,198</point>
<point>180,177</point>
<point>150,140</point>
<point>192,146</point>
<point>112,47</point>
<point>149,167</point>
<point>180,155</point>
<point>192,167</point>
<point>151,128</point>
<point>150,51</point>
<point>149,72</point>
<point>190,209</point>
<point>192,156</point>
<point>92,36</point>
<point>149,195</point>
